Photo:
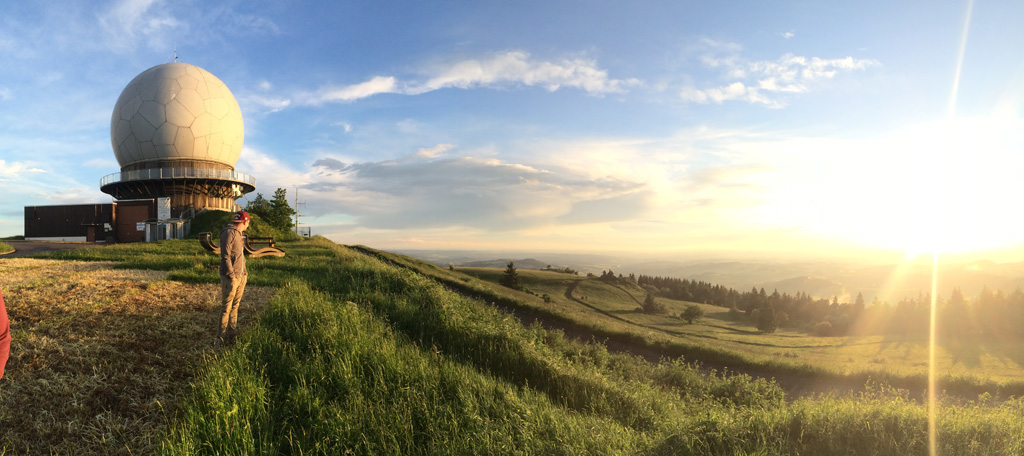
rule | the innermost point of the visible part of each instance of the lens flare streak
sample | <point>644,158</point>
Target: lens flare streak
<point>933,440</point>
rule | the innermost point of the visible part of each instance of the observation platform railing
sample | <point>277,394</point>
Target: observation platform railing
<point>176,173</point>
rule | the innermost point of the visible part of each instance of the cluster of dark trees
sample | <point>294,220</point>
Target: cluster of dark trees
<point>565,270</point>
<point>276,212</point>
<point>766,311</point>
<point>993,313</point>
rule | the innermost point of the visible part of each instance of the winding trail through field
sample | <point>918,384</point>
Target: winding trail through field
<point>570,295</point>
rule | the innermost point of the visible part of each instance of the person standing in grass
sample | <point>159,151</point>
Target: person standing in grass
<point>233,276</point>
<point>5,336</point>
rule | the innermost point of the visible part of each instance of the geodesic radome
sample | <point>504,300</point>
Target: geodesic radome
<point>176,111</point>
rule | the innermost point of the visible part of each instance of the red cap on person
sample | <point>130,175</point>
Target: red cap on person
<point>241,217</point>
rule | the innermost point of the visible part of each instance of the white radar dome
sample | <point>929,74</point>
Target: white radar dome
<point>176,111</point>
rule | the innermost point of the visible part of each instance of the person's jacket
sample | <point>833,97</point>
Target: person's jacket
<point>232,252</point>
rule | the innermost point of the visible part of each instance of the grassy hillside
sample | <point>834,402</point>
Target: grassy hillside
<point>365,352</point>
<point>968,365</point>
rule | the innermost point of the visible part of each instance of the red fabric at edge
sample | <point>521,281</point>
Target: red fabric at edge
<point>5,336</point>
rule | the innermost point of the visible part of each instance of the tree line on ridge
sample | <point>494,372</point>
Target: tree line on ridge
<point>993,313</point>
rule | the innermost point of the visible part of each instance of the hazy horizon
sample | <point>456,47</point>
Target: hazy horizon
<point>889,282</point>
<point>1006,256</point>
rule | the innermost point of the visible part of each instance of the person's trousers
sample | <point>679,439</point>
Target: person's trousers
<point>231,290</point>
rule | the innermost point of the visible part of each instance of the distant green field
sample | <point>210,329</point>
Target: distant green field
<point>978,362</point>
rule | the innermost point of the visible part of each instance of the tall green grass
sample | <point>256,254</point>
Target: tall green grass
<point>357,356</point>
<point>319,376</point>
<point>5,247</point>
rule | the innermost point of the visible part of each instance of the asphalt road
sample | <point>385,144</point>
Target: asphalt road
<point>26,248</point>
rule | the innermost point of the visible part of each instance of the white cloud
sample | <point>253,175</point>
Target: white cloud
<point>788,35</point>
<point>773,84</point>
<point>501,70</point>
<point>482,193</point>
<point>375,86</point>
<point>716,178</point>
<point>246,23</point>
<point>434,152</point>
<point>271,104</point>
<point>160,25</point>
<point>763,82</point>
<point>664,181</point>
<point>128,21</point>
<point>409,126</point>
<point>102,163</point>
<point>17,170</point>
<point>719,46</point>
<point>270,172</point>
<point>734,91</point>
<point>516,67</point>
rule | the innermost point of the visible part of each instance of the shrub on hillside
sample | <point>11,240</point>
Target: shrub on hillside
<point>511,277</point>
<point>691,313</point>
<point>823,328</point>
<point>652,306</point>
<point>767,319</point>
<point>734,313</point>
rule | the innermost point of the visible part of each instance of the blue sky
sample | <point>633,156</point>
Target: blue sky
<point>750,128</point>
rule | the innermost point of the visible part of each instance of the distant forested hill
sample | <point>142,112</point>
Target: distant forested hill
<point>527,263</point>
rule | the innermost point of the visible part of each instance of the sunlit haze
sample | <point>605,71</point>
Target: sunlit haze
<point>764,129</point>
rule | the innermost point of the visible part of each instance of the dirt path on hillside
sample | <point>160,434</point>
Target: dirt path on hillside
<point>26,248</point>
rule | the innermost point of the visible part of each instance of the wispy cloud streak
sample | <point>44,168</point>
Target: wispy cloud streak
<point>503,70</point>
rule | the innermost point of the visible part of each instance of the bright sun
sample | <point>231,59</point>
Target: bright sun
<point>964,186</point>
<point>949,186</point>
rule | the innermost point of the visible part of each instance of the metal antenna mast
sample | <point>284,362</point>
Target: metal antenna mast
<point>297,215</point>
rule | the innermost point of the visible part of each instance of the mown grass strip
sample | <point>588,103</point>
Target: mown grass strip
<point>99,357</point>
